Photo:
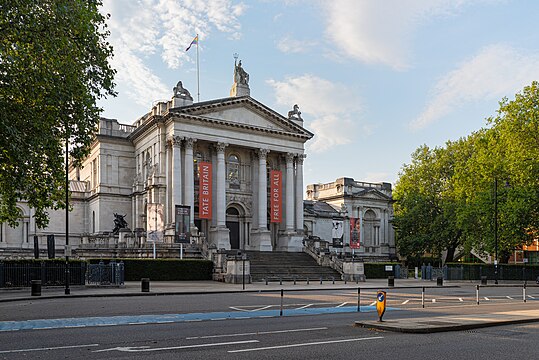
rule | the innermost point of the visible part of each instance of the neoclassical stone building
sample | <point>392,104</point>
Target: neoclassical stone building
<point>231,168</point>
<point>365,210</point>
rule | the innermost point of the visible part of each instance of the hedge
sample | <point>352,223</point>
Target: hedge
<point>164,269</point>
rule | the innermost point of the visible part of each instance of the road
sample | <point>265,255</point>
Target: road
<point>221,331</point>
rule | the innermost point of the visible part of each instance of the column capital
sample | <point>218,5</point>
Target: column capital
<point>189,142</point>
<point>175,140</point>
<point>262,153</point>
<point>300,158</point>
<point>289,158</point>
<point>220,147</point>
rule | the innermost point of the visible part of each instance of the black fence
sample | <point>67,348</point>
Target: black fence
<point>51,274</point>
<point>105,274</point>
<point>479,271</point>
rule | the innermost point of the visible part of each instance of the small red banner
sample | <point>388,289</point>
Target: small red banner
<point>276,179</point>
<point>205,190</point>
<point>355,231</point>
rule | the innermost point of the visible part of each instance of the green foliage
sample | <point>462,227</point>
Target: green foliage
<point>53,68</point>
<point>164,269</point>
<point>447,197</point>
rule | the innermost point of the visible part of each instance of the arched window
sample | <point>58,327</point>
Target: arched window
<point>197,159</point>
<point>233,172</point>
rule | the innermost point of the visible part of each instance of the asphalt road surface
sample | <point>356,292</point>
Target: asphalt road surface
<point>234,326</point>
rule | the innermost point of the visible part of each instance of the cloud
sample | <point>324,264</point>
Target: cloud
<point>496,71</point>
<point>290,46</point>
<point>374,31</point>
<point>329,109</point>
<point>144,28</point>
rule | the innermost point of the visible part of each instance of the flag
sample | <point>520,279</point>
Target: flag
<point>194,42</point>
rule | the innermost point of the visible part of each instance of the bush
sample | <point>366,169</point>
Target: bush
<point>164,269</point>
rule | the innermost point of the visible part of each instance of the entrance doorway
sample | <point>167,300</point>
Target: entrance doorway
<point>233,225</point>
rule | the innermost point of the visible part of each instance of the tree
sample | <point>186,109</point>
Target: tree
<point>425,207</point>
<point>53,69</point>
<point>455,196</point>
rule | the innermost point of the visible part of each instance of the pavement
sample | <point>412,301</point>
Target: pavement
<point>427,324</point>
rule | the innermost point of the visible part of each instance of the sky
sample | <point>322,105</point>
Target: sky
<point>374,79</point>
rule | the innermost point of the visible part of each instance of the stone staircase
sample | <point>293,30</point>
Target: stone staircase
<point>288,266</point>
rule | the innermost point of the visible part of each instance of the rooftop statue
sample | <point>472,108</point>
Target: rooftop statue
<point>180,91</point>
<point>295,113</point>
<point>240,75</point>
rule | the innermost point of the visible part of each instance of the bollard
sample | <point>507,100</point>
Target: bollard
<point>266,281</point>
<point>390,281</point>
<point>333,279</point>
<point>295,280</point>
<point>307,281</point>
<point>440,281</point>
<point>477,294</point>
<point>280,280</point>
<point>423,297</point>
<point>358,299</point>
<point>524,293</point>
<point>483,280</point>
<point>36,287</point>
<point>281,309</point>
<point>320,280</point>
<point>145,284</point>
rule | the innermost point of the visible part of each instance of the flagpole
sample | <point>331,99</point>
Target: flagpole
<point>198,74</point>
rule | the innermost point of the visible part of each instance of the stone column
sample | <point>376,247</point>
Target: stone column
<point>220,235</point>
<point>168,183</point>
<point>176,174</point>
<point>189,187</point>
<point>221,176</point>
<point>299,193</point>
<point>262,190</point>
<point>289,192</point>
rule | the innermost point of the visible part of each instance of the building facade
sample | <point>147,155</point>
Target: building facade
<point>362,217</point>
<point>229,170</point>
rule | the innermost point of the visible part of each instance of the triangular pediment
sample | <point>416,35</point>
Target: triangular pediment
<point>372,194</point>
<point>243,112</point>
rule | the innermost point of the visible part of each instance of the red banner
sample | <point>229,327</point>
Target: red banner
<point>204,190</point>
<point>276,179</point>
<point>355,231</point>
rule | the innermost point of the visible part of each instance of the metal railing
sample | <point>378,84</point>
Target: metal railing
<point>50,274</point>
<point>105,274</point>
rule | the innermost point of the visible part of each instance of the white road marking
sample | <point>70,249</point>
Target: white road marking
<point>509,297</point>
<point>304,306</point>
<point>256,333</point>
<point>344,303</point>
<point>405,302</point>
<point>219,319</point>
<point>374,303</point>
<point>305,344</point>
<point>47,348</point>
<point>148,349</point>
<point>486,298</point>
<point>257,309</point>
<point>460,299</point>
<point>531,297</point>
<point>433,301</point>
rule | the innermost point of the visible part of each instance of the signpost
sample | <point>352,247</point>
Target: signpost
<point>182,219</point>
<point>381,304</point>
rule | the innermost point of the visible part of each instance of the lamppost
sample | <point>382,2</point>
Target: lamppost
<point>496,231</point>
<point>67,289</point>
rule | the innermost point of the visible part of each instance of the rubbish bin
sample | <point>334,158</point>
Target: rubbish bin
<point>440,281</point>
<point>36,287</point>
<point>390,281</point>
<point>145,284</point>
<point>483,280</point>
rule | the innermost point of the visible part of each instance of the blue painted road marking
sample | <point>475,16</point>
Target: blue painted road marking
<point>167,318</point>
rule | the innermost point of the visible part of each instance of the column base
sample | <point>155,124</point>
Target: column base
<point>220,237</point>
<point>291,242</point>
<point>261,240</point>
